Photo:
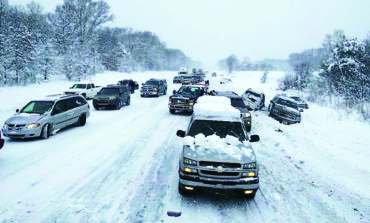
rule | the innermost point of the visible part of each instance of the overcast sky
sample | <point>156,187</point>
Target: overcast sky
<point>211,30</point>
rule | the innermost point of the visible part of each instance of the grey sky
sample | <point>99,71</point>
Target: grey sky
<point>210,30</point>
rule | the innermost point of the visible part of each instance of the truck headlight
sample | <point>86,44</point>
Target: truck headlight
<point>245,115</point>
<point>191,102</point>
<point>250,165</point>
<point>33,125</point>
<point>190,162</point>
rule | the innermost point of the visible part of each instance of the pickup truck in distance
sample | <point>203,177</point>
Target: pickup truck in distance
<point>87,90</point>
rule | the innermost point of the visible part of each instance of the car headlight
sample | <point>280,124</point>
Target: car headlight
<point>33,125</point>
<point>190,162</point>
<point>155,89</point>
<point>250,165</point>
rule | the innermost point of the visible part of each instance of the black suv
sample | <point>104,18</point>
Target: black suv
<point>113,96</point>
<point>284,109</point>
<point>154,87</point>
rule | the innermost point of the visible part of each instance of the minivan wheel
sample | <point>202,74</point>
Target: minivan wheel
<point>45,133</point>
<point>81,120</point>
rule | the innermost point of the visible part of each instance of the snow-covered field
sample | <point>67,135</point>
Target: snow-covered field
<point>122,165</point>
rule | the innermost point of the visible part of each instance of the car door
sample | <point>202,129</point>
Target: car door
<point>59,115</point>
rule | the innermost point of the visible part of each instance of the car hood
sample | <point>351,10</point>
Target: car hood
<point>24,118</point>
<point>184,95</point>
<point>216,149</point>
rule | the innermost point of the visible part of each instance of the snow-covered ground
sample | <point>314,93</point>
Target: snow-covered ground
<point>122,165</point>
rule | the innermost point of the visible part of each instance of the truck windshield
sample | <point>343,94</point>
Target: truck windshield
<point>287,103</point>
<point>189,90</point>
<point>109,91</point>
<point>220,128</point>
<point>237,103</point>
<point>38,107</point>
<point>79,86</point>
<point>151,83</point>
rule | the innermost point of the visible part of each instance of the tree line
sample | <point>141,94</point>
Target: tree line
<point>73,43</point>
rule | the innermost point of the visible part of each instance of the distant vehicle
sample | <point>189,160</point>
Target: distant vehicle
<point>43,117</point>
<point>154,87</point>
<point>214,153</point>
<point>176,79</point>
<point>2,141</point>
<point>87,90</point>
<point>254,100</point>
<point>225,80</point>
<point>185,98</point>
<point>238,103</point>
<point>300,101</point>
<point>130,84</point>
<point>185,80</point>
<point>285,110</point>
<point>113,96</point>
<point>136,85</point>
<point>214,74</point>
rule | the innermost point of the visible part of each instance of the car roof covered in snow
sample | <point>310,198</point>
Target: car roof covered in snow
<point>215,108</point>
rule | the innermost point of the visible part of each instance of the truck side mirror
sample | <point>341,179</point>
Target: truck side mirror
<point>254,138</point>
<point>17,110</point>
<point>180,133</point>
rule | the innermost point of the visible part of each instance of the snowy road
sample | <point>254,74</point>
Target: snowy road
<point>122,166</point>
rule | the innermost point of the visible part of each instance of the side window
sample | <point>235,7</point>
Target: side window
<point>70,103</point>
<point>93,85</point>
<point>59,108</point>
<point>89,86</point>
<point>79,101</point>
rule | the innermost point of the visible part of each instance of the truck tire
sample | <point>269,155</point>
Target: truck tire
<point>172,111</point>
<point>128,101</point>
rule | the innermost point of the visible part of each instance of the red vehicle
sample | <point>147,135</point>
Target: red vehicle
<point>1,141</point>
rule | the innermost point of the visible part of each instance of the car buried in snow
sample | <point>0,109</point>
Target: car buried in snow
<point>216,152</point>
<point>284,109</point>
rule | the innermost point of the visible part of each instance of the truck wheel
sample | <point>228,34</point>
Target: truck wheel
<point>81,120</point>
<point>45,133</point>
<point>142,95</point>
<point>172,111</point>
<point>119,105</point>
<point>128,101</point>
<point>84,95</point>
<point>96,107</point>
<point>249,128</point>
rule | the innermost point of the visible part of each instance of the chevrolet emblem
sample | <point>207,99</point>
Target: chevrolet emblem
<point>220,169</point>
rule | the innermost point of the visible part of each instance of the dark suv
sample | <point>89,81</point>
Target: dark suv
<point>113,96</point>
<point>284,109</point>
<point>129,83</point>
<point>154,87</point>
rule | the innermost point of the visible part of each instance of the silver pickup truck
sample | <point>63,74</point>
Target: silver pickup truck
<point>216,151</point>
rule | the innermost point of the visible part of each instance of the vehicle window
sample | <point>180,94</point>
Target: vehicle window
<point>38,107</point>
<point>189,90</point>
<point>93,85</point>
<point>249,93</point>
<point>79,86</point>
<point>109,91</point>
<point>287,103</point>
<point>59,107</point>
<point>220,128</point>
<point>238,103</point>
<point>89,86</point>
<point>151,83</point>
<point>80,101</point>
<point>298,99</point>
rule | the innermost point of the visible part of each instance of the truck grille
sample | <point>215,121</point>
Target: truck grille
<point>179,101</point>
<point>223,174</point>
<point>147,88</point>
<point>217,164</point>
<point>103,100</point>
